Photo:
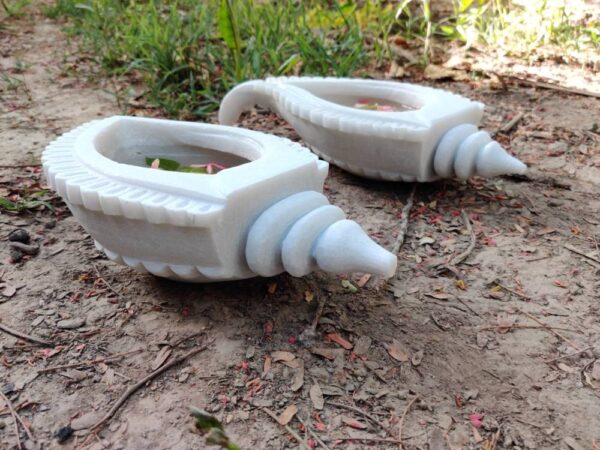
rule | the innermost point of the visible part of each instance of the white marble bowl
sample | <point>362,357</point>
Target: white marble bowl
<point>262,215</point>
<point>432,133</point>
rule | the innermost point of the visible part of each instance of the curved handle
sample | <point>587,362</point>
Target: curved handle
<point>243,97</point>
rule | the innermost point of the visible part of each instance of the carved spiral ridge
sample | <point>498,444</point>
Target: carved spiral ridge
<point>464,151</point>
<point>304,232</point>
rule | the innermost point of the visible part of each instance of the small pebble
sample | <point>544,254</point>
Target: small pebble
<point>25,248</point>
<point>64,434</point>
<point>15,255</point>
<point>19,235</point>
<point>70,324</point>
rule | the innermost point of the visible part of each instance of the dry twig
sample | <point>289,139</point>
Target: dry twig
<point>553,331</point>
<point>554,87</point>
<point>14,417</point>
<point>312,433</point>
<point>287,428</point>
<point>106,283</point>
<point>27,337</point>
<point>401,423</point>
<point>111,412</point>
<point>548,361</point>
<point>17,419</point>
<point>580,253</point>
<point>362,413</point>
<point>520,326</point>
<point>404,221</point>
<point>473,239</point>
<point>19,166</point>
<point>510,124</point>
<point>108,359</point>
<point>511,291</point>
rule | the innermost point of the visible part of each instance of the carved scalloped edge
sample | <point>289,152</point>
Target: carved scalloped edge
<point>367,173</point>
<point>172,271</point>
<point>315,112</point>
<point>80,185</point>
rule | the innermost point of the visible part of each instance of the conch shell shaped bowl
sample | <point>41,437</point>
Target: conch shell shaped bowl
<point>263,215</point>
<point>434,136</point>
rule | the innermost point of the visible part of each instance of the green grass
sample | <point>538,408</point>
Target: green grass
<point>524,28</point>
<point>186,53</point>
<point>189,53</point>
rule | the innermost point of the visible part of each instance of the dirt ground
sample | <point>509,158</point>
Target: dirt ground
<point>502,352</point>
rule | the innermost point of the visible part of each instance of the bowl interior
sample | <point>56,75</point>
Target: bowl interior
<point>367,96</point>
<point>133,142</point>
<point>372,102</point>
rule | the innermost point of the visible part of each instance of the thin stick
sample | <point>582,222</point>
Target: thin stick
<point>186,338</point>
<point>555,87</point>
<point>404,221</point>
<point>100,277</point>
<point>523,326</point>
<point>518,294</point>
<point>569,355</point>
<point>468,307</point>
<point>111,412</point>
<point>318,315</point>
<point>18,166</point>
<point>556,333</point>
<point>401,423</point>
<point>495,439</point>
<point>361,412</point>
<point>27,337</point>
<point>372,439</point>
<point>580,253</point>
<point>288,429</point>
<point>90,363</point>
<point>312,433</point>
<point>464,255</point>
<point>14,417</point>
<point>510,124</point>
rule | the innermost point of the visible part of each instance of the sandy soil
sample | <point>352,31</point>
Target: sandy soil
<point>502,353</point>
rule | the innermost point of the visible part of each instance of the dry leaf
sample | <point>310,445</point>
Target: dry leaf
<point>417,358</point>
<point>316,396</point>
<point>9,290</point>
<point>294,363</point>
<point>267,365</point>
<point>395,71</point>
<point>396,351</point>
<point>596,370</point>
<point>298,380</point>
<point>435,72</point>
<point>327,353</point>
<point>282,356</point>
<point>505,322</point>
<point>287,415</point>
<point>363,280</point>
<point>161,357</point>
<point>362,345</point>
<point>333,337</point>
<point>438,295</point>
<point>109,377</point>
<point>572,443</point>
<point>354,423</point>
<point>565,368</point>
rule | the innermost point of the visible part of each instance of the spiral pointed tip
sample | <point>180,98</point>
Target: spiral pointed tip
<point>345,247</point>
<point>493,160</point>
